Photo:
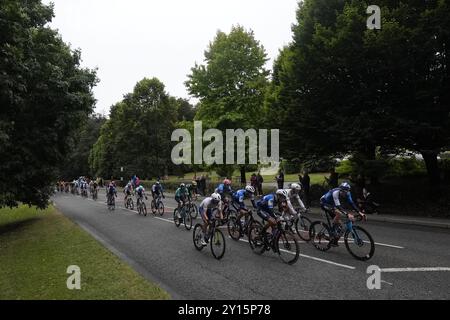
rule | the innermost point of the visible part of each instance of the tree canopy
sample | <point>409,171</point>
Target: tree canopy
<point>342,88</point>
<point>44,95</point>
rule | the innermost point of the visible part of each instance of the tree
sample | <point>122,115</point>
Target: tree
<point>76,163</point>
<point>231,84</point>
<point>137,134</point>
<point>350,90</point>
<point>44,95</point>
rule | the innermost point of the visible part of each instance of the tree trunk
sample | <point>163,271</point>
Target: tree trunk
<point>431,162</point>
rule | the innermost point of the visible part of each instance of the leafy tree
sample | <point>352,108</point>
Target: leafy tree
<point>347,89</point>
<point>44,95</point>
<point>77,162</point>
<point>231,84</point>
<point>137,134</point>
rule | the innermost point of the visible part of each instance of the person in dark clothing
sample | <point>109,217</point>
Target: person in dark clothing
<point>203,185</point>
<point>260,181</point>
<point>280,180</point>
<point>254,182</point>
<point>306,182</point>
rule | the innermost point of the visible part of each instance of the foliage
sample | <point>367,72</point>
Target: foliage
<point>137,135</point>
<point>44,96</point>
<point>342,89</point>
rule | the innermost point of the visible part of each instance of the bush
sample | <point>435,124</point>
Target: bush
<point>406,167</point>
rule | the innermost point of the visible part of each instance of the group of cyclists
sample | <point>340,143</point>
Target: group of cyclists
<point>80,186</point>
<point>266,206</point>
<point>133,187</point>
<point>270,207</point>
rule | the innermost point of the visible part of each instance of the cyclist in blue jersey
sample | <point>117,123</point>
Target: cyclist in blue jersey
<point>239,197</point>
<point>157,190</point>
<point>265,208</point>
<point>331,203</point>
<point>224,188</point>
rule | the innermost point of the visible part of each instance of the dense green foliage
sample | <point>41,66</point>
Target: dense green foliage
<point>44,96</point>
<point>341,89</point>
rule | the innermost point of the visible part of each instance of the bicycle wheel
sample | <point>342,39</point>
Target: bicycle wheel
<point>144,209</point>
<point>197,237</point>
<point>175,218</point>
<point>153,207</point>
<point>139,208</point>
<point>252,223</point>
<point>319,234</point>
<point>359,243</point>
<point>255,239</point>
<point>193,210</point>
<point>217,242</point>
<point>130,204</point>
<point>187,220</point>
<point>302,226</point>
<point>287,247</point>
<point>160,208</point>
<point>234,228</point>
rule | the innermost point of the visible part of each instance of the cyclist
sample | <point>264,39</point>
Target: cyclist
<point>128,190</point>
<point>190,191</point>
<point>239,197</point>
<point>224,188</point>
<point>181,195</point>
<point>265,208</point>
<point>330,202</point>
<point>206,210</point>
<point>157,190</point>
<point>194,189</point>
<point>140,193</point>
<point>111,191</point>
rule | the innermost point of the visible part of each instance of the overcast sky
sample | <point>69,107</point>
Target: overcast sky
<point>128,40</point>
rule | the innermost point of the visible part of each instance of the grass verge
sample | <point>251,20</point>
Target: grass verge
<point>36,248</point>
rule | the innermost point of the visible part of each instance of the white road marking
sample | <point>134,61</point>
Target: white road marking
<point>415,269</point>
<point>387,282</point>
<point>317,259</point>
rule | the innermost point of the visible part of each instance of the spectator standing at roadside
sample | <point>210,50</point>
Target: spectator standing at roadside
<point>280,180</point>
<point>306,183</point>
<point>254,182</point>
<point>203,185</point>
<point>260,181</point>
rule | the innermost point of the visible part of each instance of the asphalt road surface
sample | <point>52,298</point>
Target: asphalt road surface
<point>415,261</point>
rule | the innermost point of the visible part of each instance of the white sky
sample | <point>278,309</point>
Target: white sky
<point>128,40</point>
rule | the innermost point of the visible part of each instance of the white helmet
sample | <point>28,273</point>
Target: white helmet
<point>345,186</point>
<point>297,187</point>
<point>216,197</point>
<point>250,189</point>
<point>282,192</point>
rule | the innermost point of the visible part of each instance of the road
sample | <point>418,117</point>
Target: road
<point>166,255</point>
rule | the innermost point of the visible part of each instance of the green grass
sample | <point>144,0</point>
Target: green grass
<point>36,247</point>
<point>316,178</point>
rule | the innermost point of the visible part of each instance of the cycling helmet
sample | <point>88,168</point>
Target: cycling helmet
<point>216,197</point>
<point>345,186</point>
<point>194,183</point>
<point>182,185</point>
<point>158,183</point>
<point>297,187</point>
<point>250,189</point>
<point>282,192</point>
